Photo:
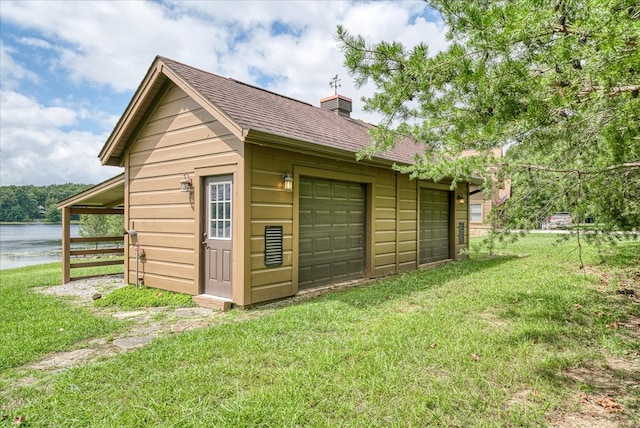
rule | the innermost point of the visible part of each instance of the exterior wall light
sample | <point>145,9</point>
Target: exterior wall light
<point>287,182</point>
<point>460,198</point>
<point>185,183</point>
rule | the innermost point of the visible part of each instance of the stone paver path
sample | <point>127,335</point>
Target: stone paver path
<point>147,324</point>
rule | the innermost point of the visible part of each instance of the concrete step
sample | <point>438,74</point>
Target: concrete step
<point>212,302</point>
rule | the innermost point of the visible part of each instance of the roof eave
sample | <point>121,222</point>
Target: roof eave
<point>79,199</point>
<point>262,138</point>
<point>128,119</point>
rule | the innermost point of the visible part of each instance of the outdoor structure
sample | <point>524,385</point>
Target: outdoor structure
<point>106,198</point>
<point>235,194</point>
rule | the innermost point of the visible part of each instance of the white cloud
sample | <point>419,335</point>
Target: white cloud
<point>12,73</point>
<point>36,150</point>
<point>111,45</point>
<point>35,42</point>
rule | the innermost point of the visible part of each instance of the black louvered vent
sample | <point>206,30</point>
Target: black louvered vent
<point>273,245</point>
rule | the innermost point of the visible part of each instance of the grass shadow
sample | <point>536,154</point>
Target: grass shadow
<point>379,291</point>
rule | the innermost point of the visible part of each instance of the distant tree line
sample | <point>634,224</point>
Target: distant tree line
<point>29,203</point>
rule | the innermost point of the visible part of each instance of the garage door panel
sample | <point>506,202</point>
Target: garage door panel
<point>332,234</point>
<point>304,216</point>
<point>340,217</point>
<point>322,191</point>
<point>322,218</point>
<point>330,256</point>
<point>340,269</point>
<point>340,191</point>
<point>305,274</point>
<point>356,217</point>
<point>340,243</point>
<point>321,273</point>
<point>322,245</point>
<point>356,193</point>
<point>305,245</point>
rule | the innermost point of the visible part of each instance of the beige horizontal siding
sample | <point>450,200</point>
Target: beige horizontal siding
<point>178,137</point>
<point>257,227</point>
<point>461,216</point>
<point>180,226</point>
<point>275,275</point>
<point>257,260</point>
<point>385,225</point>
<point>166,282</point>
<point>183,164</point>
<point>271,291</point>
<point>270,206</point>
<point>183,256</point>
<point>407,224</point>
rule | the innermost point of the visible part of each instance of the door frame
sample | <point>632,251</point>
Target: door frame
<point>366,180</point>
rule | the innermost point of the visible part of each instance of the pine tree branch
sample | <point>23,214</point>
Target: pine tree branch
<point>613,93</point>
<point>628,165</point>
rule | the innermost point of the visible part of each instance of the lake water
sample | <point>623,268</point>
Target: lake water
<point>31,244</point>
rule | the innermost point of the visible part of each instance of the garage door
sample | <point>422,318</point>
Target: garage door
<point>434,225</point>
<point>331,232</point>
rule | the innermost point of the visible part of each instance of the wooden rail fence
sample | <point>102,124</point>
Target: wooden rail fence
<point>82,252</point>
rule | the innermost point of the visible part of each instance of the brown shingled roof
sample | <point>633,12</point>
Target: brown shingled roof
<point>257,109</point>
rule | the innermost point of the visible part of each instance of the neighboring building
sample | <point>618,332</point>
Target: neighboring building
<point>236,233</point>
<point>481,204</point>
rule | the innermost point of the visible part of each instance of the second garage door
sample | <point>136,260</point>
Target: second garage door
<point>331,232</point>
<point>434,225</point>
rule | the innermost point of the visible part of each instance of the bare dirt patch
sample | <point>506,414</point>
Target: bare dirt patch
<point>493,320</point>
<point>607,395</point>
<point>82,291</point>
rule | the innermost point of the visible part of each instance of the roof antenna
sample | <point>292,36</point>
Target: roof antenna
<point>334,83</point>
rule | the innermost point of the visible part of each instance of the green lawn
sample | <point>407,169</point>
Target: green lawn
<point>32,324</point>
<point>483,342</point>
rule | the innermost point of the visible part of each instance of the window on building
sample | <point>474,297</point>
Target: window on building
<point>476,213</point>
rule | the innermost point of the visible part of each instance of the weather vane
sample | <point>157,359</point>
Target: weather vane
<point>334,83</point>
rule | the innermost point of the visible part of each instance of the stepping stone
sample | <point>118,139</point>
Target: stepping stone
<point>129,314</point>
<point>63,359</point>
<point>193,312</point>
<point>133,342</point>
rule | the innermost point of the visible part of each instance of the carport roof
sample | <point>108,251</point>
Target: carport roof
<point>108,194</point>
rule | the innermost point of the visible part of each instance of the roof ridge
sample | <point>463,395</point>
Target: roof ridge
<point>165,59</point>
<point>271,92</point>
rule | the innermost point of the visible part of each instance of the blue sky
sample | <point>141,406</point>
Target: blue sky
<point>68,69</point>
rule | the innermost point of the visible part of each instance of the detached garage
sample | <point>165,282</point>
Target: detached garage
<point>239,195</point>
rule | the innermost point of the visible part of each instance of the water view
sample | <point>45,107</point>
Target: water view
<point>31,244</point>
